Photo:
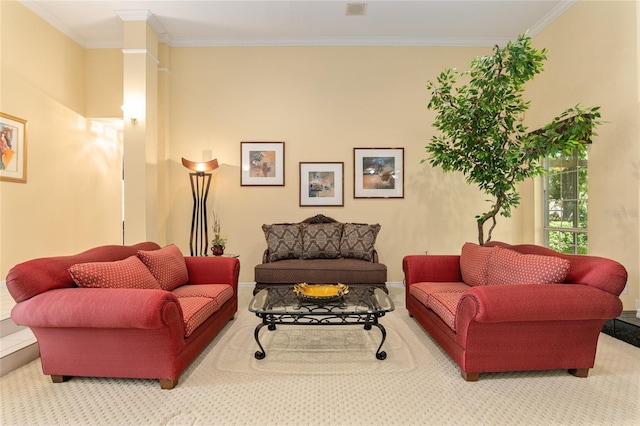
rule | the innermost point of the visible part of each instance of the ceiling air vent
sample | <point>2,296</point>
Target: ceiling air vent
<point>356,9</point>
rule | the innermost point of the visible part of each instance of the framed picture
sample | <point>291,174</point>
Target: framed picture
<point>378,173</point>
<point>13,148</point>
<point>262,163</point>
<point>321,184</point>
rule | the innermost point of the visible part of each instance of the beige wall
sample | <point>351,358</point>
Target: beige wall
<point>322,102</point>
<point>598,66</point>
<point>104,83</point>
<point>71,199</point>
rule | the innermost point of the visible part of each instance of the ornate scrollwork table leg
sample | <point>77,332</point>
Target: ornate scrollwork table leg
<point>261,353</point>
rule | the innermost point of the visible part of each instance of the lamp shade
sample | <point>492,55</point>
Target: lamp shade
<point>203,166</point>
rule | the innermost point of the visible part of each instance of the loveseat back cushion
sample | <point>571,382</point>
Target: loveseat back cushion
<point>30,278</point>
<point>321,240</point>
<point>284,241</point>
<point>473,264</point>
<point>358,240</point>
<point>167,265</point>
<point>127,273</point>
<point>508,267</point>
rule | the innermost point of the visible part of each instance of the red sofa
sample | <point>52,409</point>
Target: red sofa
<point>530,326</point>
<point>128,331</point>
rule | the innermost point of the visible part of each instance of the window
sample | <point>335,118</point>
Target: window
<point>565,203</point>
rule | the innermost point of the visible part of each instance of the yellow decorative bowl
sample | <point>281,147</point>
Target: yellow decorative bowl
<point>320,291</point>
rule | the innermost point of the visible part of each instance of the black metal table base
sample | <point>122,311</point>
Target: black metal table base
<point>368,320</point>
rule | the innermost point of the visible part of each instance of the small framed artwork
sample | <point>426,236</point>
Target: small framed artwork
<point>262,163</point>
<point>321,184</point>
<point>378,173</point>
<point>13,148</point>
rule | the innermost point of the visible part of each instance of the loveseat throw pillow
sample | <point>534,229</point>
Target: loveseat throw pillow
<point>167,265</point>
<point>473,264</point>
<point>284,241</point>
<point>508,267</point>
<point>127,273</point>
<point>358,240</point>
<point>321,240</point>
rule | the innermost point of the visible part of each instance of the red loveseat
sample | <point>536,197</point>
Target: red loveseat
<point>159,312</point>
<point>514,308</point>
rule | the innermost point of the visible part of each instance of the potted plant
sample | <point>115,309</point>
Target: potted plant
<point>481,130</point>
<point>219,241</point>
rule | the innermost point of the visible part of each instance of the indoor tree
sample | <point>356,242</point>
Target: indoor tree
<point>481,131</point>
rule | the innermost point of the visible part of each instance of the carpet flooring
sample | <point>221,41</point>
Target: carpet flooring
<point>330,376</point>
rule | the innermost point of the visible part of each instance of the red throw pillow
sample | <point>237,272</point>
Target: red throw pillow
<point>127,273</point>
<point>473,264</point>
<point>508,267</point>
<point>167,265</point>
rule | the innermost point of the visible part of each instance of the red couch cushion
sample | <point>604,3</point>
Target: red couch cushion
<point>219,292</point>
<point>127,273</point>
<point>195,311</point>
<point>167,265</point>
<point>508,267</point>
<point>445,305</point>
<point>423,291</point>
<point>473,263</point>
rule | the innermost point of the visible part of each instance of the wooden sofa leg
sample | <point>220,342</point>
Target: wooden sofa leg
<point>168,383</point>
<point>469,377</point>
<point>59,379</point>
<point>579,372</point>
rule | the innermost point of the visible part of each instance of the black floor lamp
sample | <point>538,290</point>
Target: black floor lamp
<point>200,181</point>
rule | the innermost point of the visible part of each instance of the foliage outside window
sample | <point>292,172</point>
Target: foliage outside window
<point>565,194</point>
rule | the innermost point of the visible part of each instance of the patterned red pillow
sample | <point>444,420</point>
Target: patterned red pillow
<point>473,264</point>
<point>508,267</point>
<point>127,273</point>
<point>167,265</point>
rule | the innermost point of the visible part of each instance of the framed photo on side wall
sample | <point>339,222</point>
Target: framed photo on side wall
<point>262,163</point>
<point>321,184</point>
<point>378,173</point>
<point>13,149</point>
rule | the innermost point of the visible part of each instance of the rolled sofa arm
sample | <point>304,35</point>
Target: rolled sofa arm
<point>431,268</point>
<point>100,308</point>
<point>537,302</point>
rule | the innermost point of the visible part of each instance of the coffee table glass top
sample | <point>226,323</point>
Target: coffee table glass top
<point>359,300</point>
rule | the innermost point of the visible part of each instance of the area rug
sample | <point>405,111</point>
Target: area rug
<point>313,350</point>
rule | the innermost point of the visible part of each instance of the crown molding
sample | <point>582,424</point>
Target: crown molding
<point>43,13</point>
<point>335,41</point>
<point>547,19</point>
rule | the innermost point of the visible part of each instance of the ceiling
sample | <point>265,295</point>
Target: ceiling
<point>99,24</point>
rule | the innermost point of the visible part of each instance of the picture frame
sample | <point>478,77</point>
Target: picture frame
<point>322,184</point>
<point>378,173</point>
<point>262,164</point>
<point>13,149</point>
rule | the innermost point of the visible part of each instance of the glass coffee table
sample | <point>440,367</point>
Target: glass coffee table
<point>360,306</point>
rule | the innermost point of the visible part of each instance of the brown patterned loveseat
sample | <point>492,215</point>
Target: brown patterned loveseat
<point>320,250</point>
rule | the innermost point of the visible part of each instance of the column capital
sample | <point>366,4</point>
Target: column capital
<point>141,16</point>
